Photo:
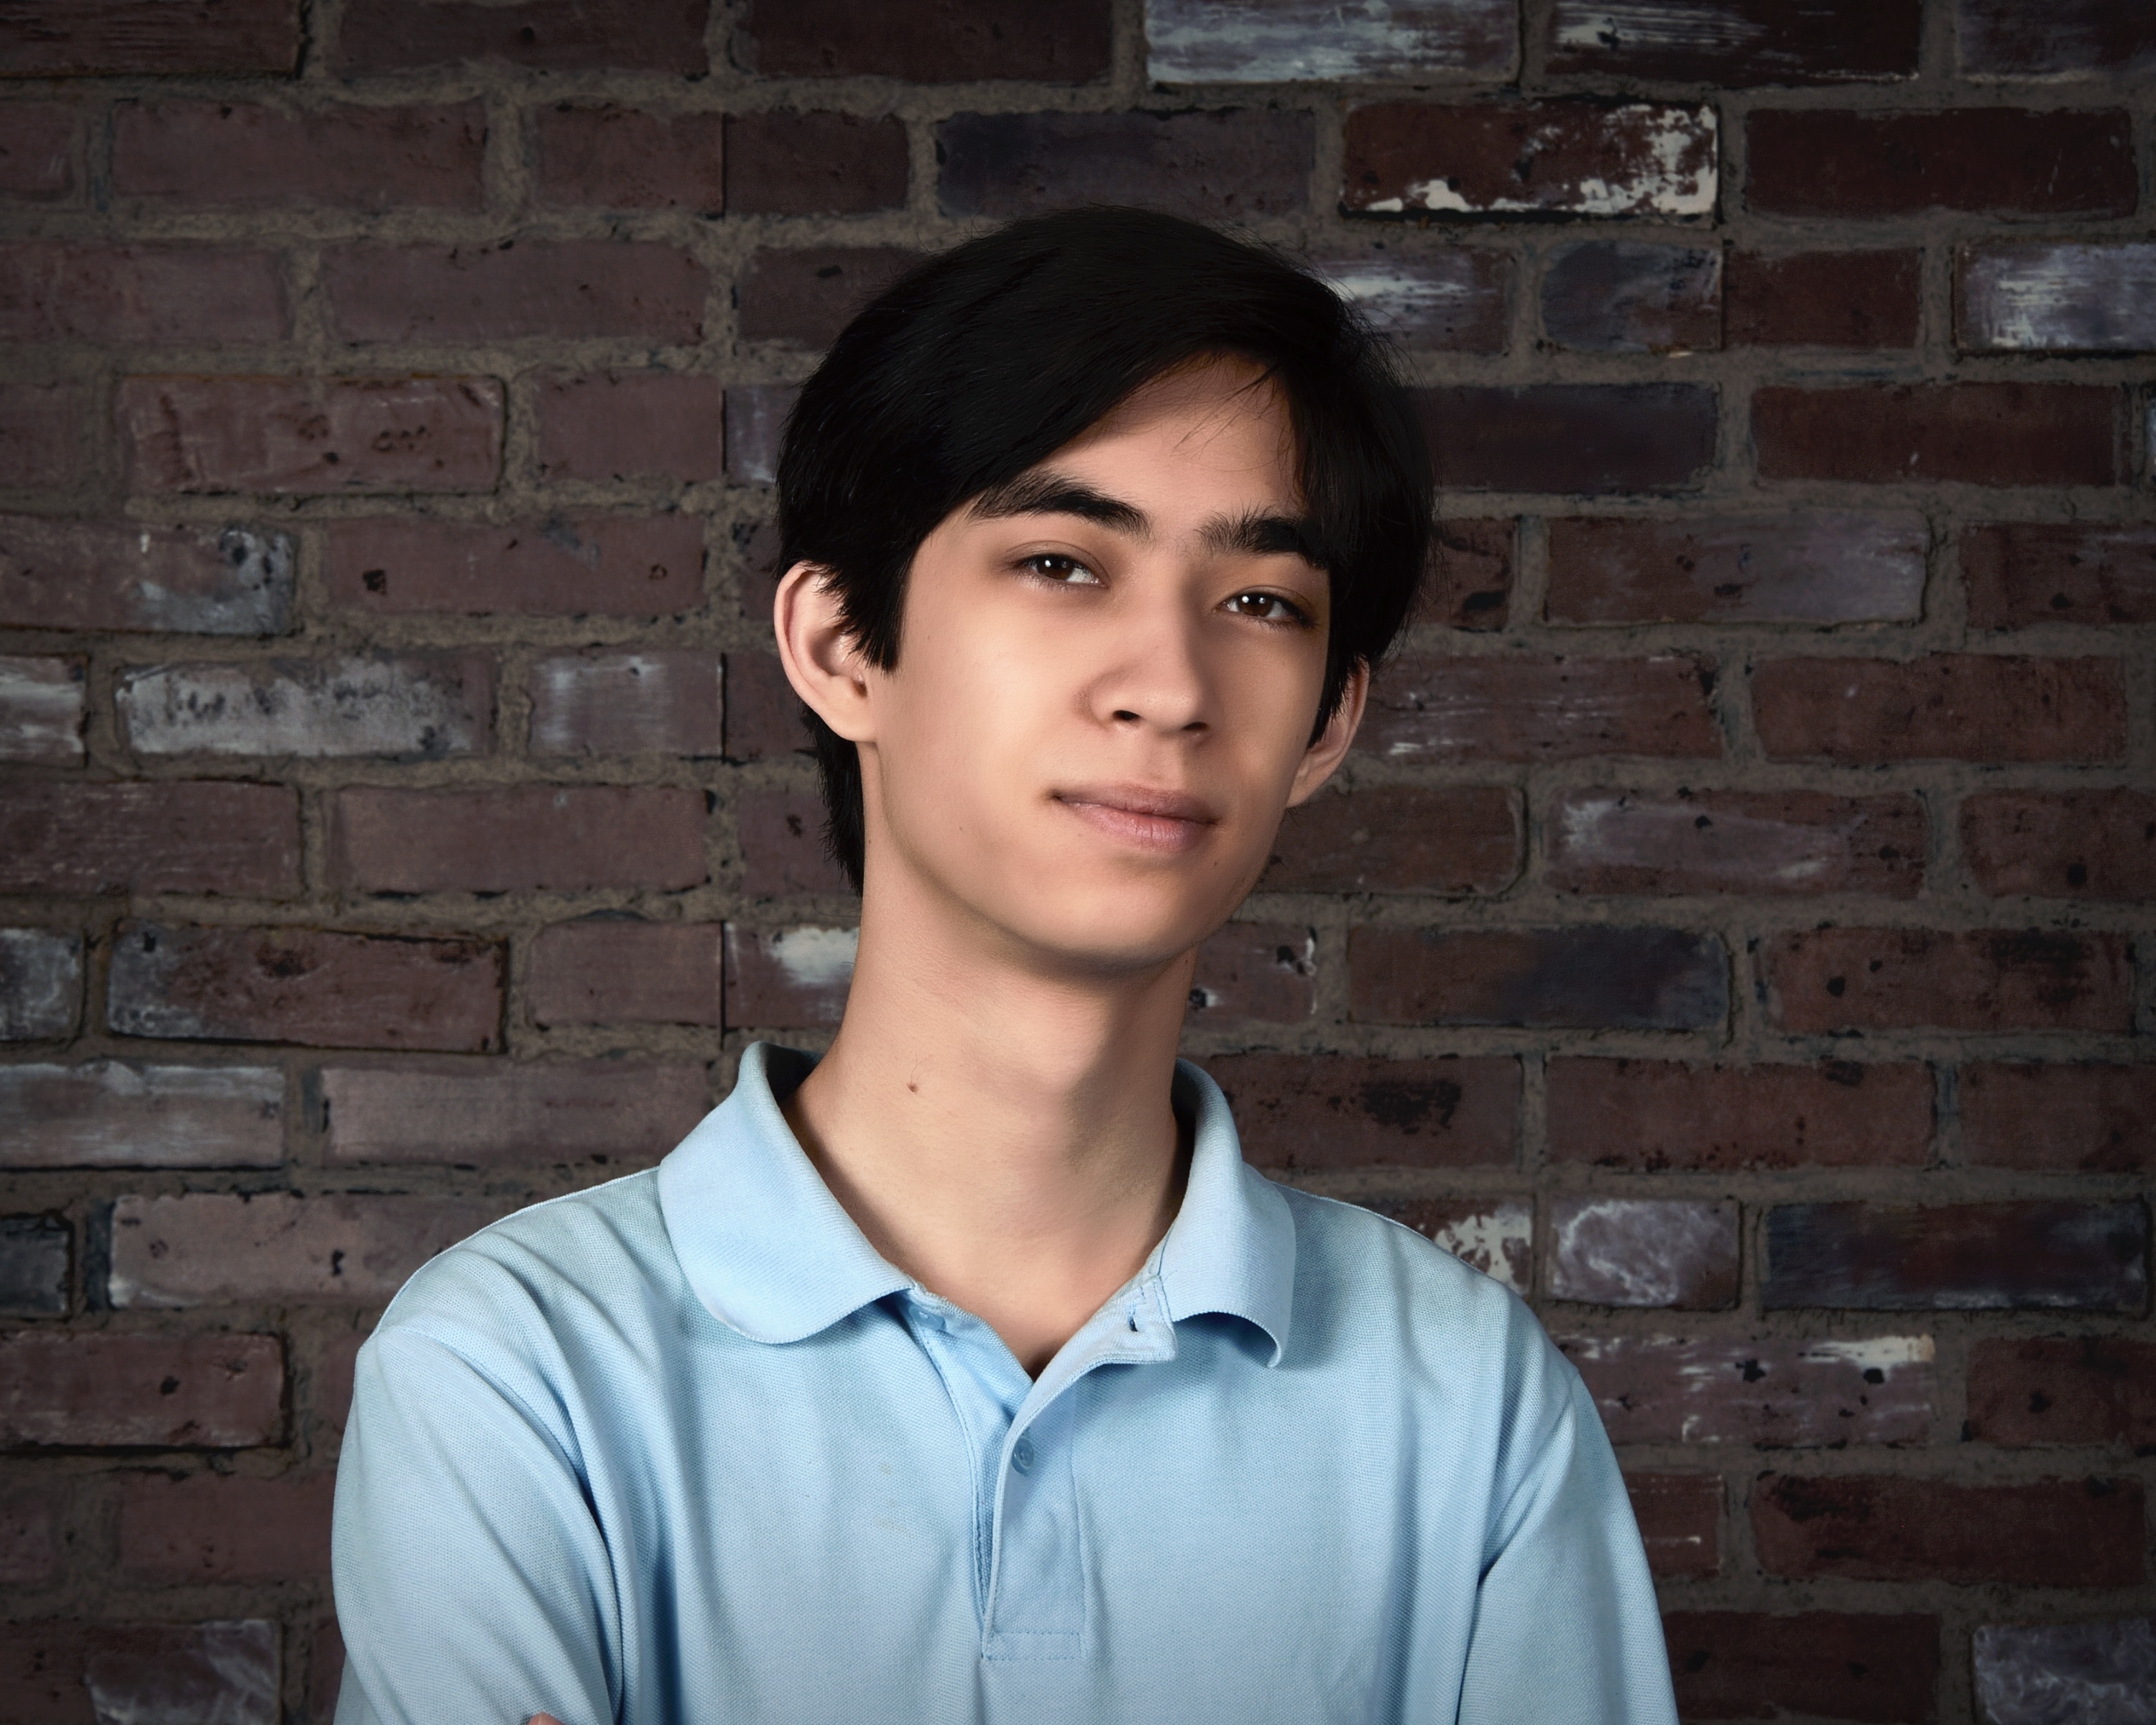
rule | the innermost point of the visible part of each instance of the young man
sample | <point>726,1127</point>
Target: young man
<point>967,1374</point>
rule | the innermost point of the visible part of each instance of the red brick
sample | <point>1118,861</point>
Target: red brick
<point>1257,972</point>
<point>1264,42</point>
<point>1980,980</point>
<point>1467,578</point>
<point>1975,433</point>
<point>116,1114</point>
<point>29,1550</point>
<point>1659,1115</point>
<point>2063,1389</point>
<point>415,705</point>
<point>2089,1119</point>
<point>1589,978</point>
<point>116,37</point>
<point>2004,38</point>
<point>41,710</point>
<point>2056,297</point>
<point>628,425</point>
<point>1680,1519</point>
<point>625,160</point>
<point>2024,572</point>
<point>662,701</point>
<point>2048,1534</point>
<point>1314,1113</point>
<point>1432,708</point>
<point>1641,1251</point>
<point>802,296</point>
<point>1823,566</point>
<point>755,418</point>
<point>1616,297</point>
<point>244,153</point>
<point>1957,1257</point>
<point>521,1112</point>
<point>117,576</point>
<point>36,150</point>
<point>39,435</point>
<point>2080,844</point>
<point>292,435</point>
<point>1240,165</point>
<point>616,566</point>
<point>1575,158</point>
<point>787,164</point>
<point>1741,1665</point>
<point>1821,299</point>
<point>782,844</point>
<point>40,989</point>
<point>763,714</point>
<point>304,985</point>
<point>1819,162</point>
<point>207,1527</point>
<point>111,1389</point>
<point>1459,840</point>
<point>610,971</point>
<point>1770,1391</point>
<point>1495,1238</point>
<point>925,41</point>
<point>174,836</point>
<point>519,839</point>
<point>88,1673</point>
<point>511,290</point>
<point>1580,438</point>
<point>54,291</point>
<point>1736,42</point>
<point>35,1253</point>
<point>1448,300</point>
<point>538,35</point>
<point>214,1248</point>
<point>1953,706</point>
<point>787,979</point>
<point>1766,844</point>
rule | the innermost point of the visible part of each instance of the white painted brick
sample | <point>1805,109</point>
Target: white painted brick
<point>115,1114</point>
<point>422,706</point>
<point>1298,41</point>
<point>41,710</point>
<point>2064,298</point>
<point>657,702</point>
<point>2101,1673</point>
<point>755,418</point>
<point>40,983</point>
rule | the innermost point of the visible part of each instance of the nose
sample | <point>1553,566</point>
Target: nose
<point>1159,682</point>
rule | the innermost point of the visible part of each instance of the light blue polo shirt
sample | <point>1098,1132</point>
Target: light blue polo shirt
<point>684,1449</point>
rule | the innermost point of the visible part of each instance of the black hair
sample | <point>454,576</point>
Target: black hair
<point>985,360</point>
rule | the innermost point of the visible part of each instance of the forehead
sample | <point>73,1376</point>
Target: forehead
<point>1219,404</point>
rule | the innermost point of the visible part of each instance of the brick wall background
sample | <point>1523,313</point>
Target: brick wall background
<point>1734,928</point>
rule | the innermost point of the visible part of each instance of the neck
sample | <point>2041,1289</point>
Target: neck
<point>999,1128</point>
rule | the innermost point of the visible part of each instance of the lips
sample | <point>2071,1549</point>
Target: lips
<point>1147,817</point>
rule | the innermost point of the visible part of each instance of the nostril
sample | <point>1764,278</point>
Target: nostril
<point>1126,713</point>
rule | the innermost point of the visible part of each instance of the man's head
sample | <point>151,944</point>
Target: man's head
<point>1103,502</point>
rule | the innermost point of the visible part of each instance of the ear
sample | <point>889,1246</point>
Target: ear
<point>1323,758</point>
<point>823,662</point>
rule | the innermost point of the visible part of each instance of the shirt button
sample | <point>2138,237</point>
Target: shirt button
<point>1022,1455</point>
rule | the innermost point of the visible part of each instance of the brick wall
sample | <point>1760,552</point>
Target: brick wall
<point>1733,929</point>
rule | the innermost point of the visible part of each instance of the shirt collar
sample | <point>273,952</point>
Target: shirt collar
<point>769,1252</point>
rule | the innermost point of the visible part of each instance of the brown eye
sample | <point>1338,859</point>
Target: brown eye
<point>1051,566</point>
<point>1265,608</point>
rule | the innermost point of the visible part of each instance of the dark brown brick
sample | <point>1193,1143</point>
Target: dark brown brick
<point>84,1673</point>
<point>2024,1671</point>
<point>540,35</point>
<point>787,979</point>
<point>1269,42</point>
<point>617,565</point>
<point>1616,296</point>
<point>333,1374</point>
<point>1496,1238</point>
<point>927,41</point>
<point>788,164</point>
<point>118,38</point>
<point>2056,297</point>
<point>1980,980</point>
<point>1565,158</point>
<point>1308,1113</point>
<point>1467,578</point>
<point>482,1113</point>
<point>1240,165</point>
<point>2024,572</point>
<point>1831,1665</point>
<point>2048,1534</point>
<point>1680,1520</point>
<point>1952,707</point>
<point>174,836</point>
<point>245,154</point>
<point>518,838</point>
<point>1821,299</point>
<point>764,718</point>
<point>656,701</point>
<point>35,1252</point>
<point>64,574</point>
<point>40,986</point>
<point>1972,1257</point>
<point>304,985</point>
<point>1819,162</point>
<point>112,1390</point>
<point>2063,1389</point>
<point>36,150</point>
<point>2004,38</point>
<point>206,1527</point>
<point>1257,972</point>
<point>630,425</point>
<point>1736,42</point>
<point>1675,1252</point>
<point>1586,977</point>
<point>54,291</point>
<point>1817,567</point>
<point>1586,439</point>
<point>1975,433</point>
<point>802,297</point>
<point>782,843</point>
<point>42,710</point>
<point>128,1114</point>
<point>29,1549</point>
<point>756,562</point>
<point>1451,300</point>
<point>1428,708</point>
<point>1657,1114</point>
<point>1765,843</point>
<point>325,1672</point>
<point>1459,840</point>
<point>2087,1118</point>
<point>510,291</point>
<point>1771,1391</point>
<point>617,972</point>
<point>621,159</point>
<point>40,435</point>
<point>2081,845</point>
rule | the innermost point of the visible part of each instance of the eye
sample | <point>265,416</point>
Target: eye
<point>1054,565</point>
<point>1267,608</point>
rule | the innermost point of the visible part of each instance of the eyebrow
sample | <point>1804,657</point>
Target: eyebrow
<point>1256,532</point>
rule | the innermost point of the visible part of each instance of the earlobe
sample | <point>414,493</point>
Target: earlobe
<point>823,660</point>
<point>1323,758</point>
